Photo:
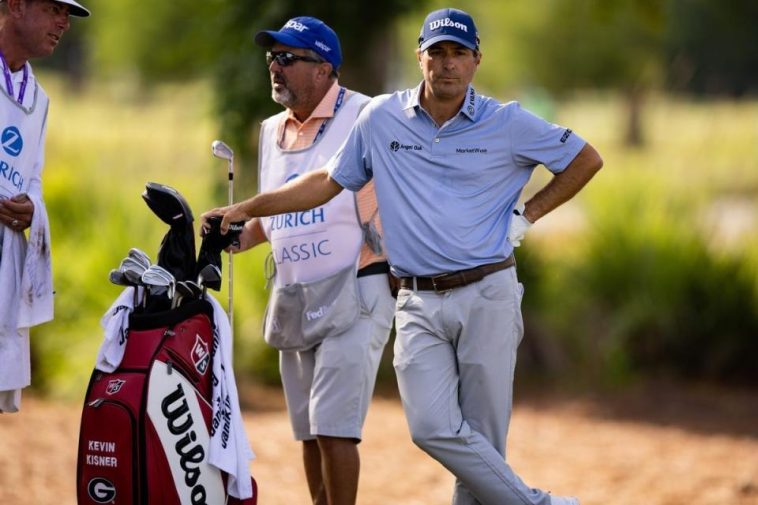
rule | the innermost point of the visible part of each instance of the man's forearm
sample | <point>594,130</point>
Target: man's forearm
<point>565,184</point>
<point>305,192</point>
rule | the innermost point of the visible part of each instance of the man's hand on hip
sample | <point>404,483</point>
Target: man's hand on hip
<point>519,226</point>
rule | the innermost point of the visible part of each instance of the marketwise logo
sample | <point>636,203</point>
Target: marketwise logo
<point>12,141</point>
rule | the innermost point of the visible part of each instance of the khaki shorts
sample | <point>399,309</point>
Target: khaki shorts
<point>328,388</point>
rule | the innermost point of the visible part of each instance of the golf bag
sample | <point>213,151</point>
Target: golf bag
<point>150,422</point>
<point>146,427</point>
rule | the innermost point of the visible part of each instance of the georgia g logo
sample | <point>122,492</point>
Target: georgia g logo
<point>12,141</point>
<point>101,490</point>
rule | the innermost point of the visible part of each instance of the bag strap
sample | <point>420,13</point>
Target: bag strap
<point>371,236</point>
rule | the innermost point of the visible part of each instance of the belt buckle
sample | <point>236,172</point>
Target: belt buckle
<point>434,283</point>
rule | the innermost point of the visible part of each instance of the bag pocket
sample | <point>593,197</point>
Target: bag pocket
<point>301,315</point>
<point>107,467</point>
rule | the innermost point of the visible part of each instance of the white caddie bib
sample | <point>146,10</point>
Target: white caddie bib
<point>316,243</point>
<point>21,129</point>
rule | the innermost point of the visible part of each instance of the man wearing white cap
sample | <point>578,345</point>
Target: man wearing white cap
<point>28,29</point>
<point>449,166</point>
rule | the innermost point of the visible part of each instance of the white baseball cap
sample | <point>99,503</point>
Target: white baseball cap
<point>76,8</point>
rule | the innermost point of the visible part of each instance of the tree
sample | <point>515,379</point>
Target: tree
<point>612,44</point>
<point>711,47</point>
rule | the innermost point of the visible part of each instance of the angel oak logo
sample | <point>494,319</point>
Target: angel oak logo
<point>396,146</point>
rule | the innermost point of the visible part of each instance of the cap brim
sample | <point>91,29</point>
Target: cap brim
<point>75,9</point>
<point>268,38</point>
<point>445,37</point>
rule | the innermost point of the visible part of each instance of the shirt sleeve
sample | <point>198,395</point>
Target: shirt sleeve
<point>350,167</point>
<point>536,141</point>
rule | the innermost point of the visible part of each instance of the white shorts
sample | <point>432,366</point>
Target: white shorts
<point>328,388</point>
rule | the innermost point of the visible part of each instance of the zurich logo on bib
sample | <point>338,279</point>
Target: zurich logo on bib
<point>12,141</point>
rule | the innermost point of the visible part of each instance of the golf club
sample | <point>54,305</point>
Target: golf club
<point>209,277</point>
<point>183,291</point>
<point>117,277</point>
<point>131,272</point>
<point>159,281</point>
<point>140,256</point>
<point>224,152</point>
<point>197,291</point>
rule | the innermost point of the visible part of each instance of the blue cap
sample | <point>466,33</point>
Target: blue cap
<point>449,24</point>
<point>308,33</point>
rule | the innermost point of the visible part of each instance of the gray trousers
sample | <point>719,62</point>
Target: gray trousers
<point>455,356</point>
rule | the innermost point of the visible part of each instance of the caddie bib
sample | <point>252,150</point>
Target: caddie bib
<point>21,137</point>
<point>312,244</point>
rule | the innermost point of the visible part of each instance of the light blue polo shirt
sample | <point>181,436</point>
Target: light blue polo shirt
<point>446,194</point>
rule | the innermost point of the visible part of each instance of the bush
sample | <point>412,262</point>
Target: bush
<point>649,295</point>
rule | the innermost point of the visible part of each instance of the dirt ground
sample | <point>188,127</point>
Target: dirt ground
<point>655,445</point>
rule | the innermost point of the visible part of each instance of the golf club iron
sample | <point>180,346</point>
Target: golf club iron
<point>209,277</point>
<point>140,256</point>
<point>159,281</point>
<point>224,152</point>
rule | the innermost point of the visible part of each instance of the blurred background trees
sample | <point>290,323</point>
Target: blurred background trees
<point>628,46</point>
<point>649,279</point>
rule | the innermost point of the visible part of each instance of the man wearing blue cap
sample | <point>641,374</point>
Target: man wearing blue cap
<point>28,29</point>
<point>449,166</point>
<point>330,310</point>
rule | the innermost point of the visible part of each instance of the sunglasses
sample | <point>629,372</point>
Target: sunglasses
<point>286,58</point>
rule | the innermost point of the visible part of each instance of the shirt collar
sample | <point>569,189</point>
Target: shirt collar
<point>324,109</point>
<point>468,108</point>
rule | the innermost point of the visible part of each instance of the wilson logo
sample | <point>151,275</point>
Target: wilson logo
<point>101,490</point>
<point>191,454</point>
<point>441,23</point>
<point>114,386</point>
<point>200,355</point>
<point>174,409</point>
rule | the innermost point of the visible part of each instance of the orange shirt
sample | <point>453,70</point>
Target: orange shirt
<point>296,135</point>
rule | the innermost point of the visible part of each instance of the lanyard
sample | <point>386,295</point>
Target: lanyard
<point>337,106</point>
<point>9,81</point>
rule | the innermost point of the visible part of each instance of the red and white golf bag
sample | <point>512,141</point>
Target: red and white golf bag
<point>146,427</point>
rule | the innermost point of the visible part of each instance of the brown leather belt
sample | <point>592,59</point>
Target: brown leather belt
<point>452,280</point>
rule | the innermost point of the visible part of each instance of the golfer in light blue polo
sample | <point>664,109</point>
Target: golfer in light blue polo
<point>449,166</point>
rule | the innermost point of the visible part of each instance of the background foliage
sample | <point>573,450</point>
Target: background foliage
<point>652,270</point>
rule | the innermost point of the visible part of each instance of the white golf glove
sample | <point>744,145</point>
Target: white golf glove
<point>519,226</point>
